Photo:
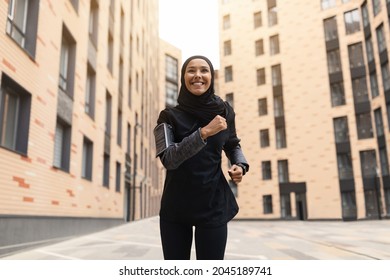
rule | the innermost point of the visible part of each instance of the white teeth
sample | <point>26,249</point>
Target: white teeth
<point>197,84</point>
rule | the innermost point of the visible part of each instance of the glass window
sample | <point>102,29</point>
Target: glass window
<point>62,146</point>
<point>22,23</point>
<point>264,138</point>
<point>228,74</point>
<point>257,19</point>
<point>364,125</point>
<point>355,52</point>
<point>230,99</point>
<point>381,39</point>
<point>368,163</point>
<point>87,160</point>
<point>171,94</point>
<point>376,6</point>
<point>280,133</point>
<point>276,75</point>
<point>337,94</point>
<point>106,170</point>
<point>263,107</point>
<point>352,21</point>
<point>327,4</point>
<point>93,23</point>
<point>283,171</point>
<point>90,92</point>
<point>374,85</point>
<point>334,62</point>
<point>226,22</point>
<point>259,47</point>
<point>285,205</point>
<point>384,162</point>
<point>266,170</point>
<point>378,122</point>
<point>171,68</point>
<point>344,164</point>
<point>385,76</point>
<point>274,44</point>
<point>365,17</point>
<point>330,29</point>
<point>15,106</point>
<point>341,131</point>
<point>369,49</point>
<point>278,106</point>
<point>260,76</point>
<point>360,91</point>
<point>227,48</point>
<point>267,204</point>
<point>118,177</point>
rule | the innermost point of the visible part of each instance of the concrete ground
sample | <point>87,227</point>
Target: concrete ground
<point>247,240</point>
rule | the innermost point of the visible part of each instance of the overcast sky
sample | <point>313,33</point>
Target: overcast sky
<point>192,26</point>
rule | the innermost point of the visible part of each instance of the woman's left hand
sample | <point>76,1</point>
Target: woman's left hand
<point>235,173</point>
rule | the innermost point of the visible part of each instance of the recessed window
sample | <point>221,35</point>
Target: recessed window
<point>385,76</point>
<point>341,132</point>
<point>93,23</point>
<point>376,6</point>
<point>360,91</point>
<point>334,62</point>
<point>227,47</point>
<point>106,170</point>
<point>381,39</point>
<point>283,171</point>
<point>228,74</point>
<point>262,107</point>
<point>280,133</point>
<point>276,75</point>
<point>118,177</point>
<point>344,164</point>
<point>337,94</point>
<point>369,49</point>
<point>327,4</point>
<point>67,63</point>
<point>264,138</point>
<point>22,22</point>
<point>87,160</point>
<point>274,44</point>
<point>330,29</point>
<point>258,22</point>
<point>356,58</point>
<point>364,125</point>
<point>267,204</point>
<point>259,47</point>
<point>62,141</point>
<point>230,99</point>
<point>374,85</point>
<point>90,89</point>
<point>379,122</point>
<point>15,107</point>
<point>266,170</point>
<point>226,22</point>
<point>260,76</point>
<point>352,21</point>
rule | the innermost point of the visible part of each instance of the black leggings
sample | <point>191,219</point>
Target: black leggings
<point>176,238</point>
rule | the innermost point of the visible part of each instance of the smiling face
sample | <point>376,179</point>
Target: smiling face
<point>197,76</point>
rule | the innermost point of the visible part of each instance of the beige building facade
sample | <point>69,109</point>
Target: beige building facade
<point>310,84</point>
<point>80,85</point>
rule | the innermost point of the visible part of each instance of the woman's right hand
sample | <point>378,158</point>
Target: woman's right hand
<point>216,125</point>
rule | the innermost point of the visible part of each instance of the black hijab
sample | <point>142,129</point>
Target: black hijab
<point>204,107</point>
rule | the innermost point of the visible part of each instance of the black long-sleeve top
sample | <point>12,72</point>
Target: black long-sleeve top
<point>196,190</point>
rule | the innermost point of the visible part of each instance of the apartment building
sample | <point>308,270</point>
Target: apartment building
<point>310,83</point>
<point>79,97</point>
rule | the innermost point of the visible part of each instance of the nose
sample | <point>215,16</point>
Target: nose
<point>197,74</point>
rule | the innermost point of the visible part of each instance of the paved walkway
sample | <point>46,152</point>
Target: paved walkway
<point>248,240</point>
